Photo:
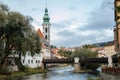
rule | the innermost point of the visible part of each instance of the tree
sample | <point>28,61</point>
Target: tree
<point>88,46</point>
<point>118,11</point>
<point>65,53</point>
<point>16,33</point>
<point>52,46</point>
<point>86,53</point>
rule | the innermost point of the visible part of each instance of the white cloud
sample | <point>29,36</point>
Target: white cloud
<point>73,23</point>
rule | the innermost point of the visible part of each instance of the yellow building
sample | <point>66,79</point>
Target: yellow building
<point>109,50</point>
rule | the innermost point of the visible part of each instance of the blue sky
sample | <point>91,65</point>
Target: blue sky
<point>73,22</point>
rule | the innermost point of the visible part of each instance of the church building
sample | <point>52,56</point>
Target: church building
<point>36,60</point>
<point>45,35</point>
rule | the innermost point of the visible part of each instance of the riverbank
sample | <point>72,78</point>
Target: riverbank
<point>27,71</point>
<point>59,73</point>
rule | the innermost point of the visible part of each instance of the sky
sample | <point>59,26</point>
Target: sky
<point>73,22</point>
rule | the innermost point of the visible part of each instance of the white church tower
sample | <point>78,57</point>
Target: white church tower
<point>46,27</point>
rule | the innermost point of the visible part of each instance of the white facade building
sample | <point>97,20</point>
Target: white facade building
<point>46,52</point>
<point>32,61</point>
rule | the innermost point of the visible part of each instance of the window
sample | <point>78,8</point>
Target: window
<point>23,61</point>
<point>28,61</point>
<point>31,61</point>
<point>46,30</point>
<point>14,52</point>
<point>36,61</point>
<point>45,36</point>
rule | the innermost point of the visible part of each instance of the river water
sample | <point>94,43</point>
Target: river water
<point>61,73</point>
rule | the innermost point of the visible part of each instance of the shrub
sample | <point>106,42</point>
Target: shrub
<point>5,71</point>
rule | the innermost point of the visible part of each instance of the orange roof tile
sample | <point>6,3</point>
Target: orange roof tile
<point>55,51</point>
<point>45,46</point>
<point>40,33</point>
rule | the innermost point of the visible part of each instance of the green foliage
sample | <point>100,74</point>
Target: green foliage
<point>4,7</point>
<point>26,69</point>
<point>91,66</point>
<point>18,73</point>
<point>5,71</point>
<point>90,78</point>
<point>52,46</point>
<point>118,11</point>
<point>16,32</point>
<point>93,78</point>
<point>29,70</point>
<point>65,53</point>
<point>88,46</point>
<point>86,53</point>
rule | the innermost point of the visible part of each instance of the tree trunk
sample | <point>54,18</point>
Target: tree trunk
<point>19,63</point>
<point>3,64</point>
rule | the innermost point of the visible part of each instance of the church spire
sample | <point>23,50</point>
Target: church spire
<point>46,17</point>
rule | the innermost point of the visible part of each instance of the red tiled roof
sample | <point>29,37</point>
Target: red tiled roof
<point>55,51</point>
<point>40,33</point>
<point>45,47</point>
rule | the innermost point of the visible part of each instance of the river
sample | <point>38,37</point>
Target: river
<point>61,73</point>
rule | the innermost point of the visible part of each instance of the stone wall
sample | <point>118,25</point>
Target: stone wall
<point>104,76</point>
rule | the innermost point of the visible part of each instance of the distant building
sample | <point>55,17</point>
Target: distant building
<point>100,51</point>
<point>71,49</point>
<point>55,53</point>
<point>107,50</point>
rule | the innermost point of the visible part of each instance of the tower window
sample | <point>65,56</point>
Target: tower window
<point>46,30</point>
<point>23,61</point>
<point>45,36</point>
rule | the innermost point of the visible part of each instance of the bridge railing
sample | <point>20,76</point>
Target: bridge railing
<point>82,60</point>
<point>58,61</point>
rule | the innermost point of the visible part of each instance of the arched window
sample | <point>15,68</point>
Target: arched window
<point>45,36</point>
<point>46,30</point>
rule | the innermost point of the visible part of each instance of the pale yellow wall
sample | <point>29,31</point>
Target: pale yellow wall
<point>109,50</point>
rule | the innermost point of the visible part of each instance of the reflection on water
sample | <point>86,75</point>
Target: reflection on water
<point>62,73</point>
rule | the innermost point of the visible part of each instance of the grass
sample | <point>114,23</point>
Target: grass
<point>93,78</point>
<point>27,71</point>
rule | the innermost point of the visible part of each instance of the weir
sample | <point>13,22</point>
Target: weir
<point>77,65</point>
